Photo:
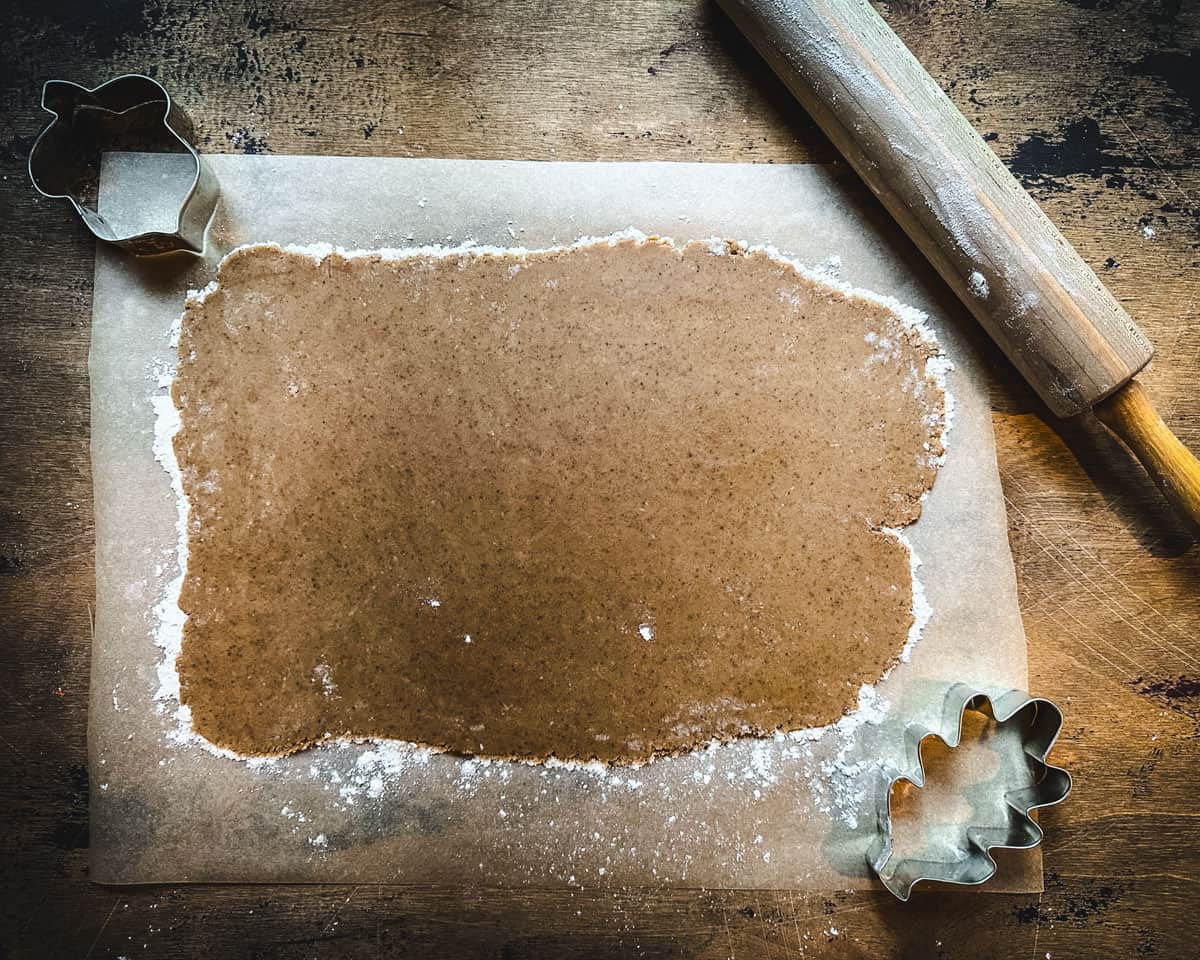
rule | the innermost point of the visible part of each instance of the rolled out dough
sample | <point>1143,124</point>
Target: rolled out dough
<point>606,501</point>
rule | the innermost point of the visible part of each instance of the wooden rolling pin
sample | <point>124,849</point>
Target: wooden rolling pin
<point>983,233</point>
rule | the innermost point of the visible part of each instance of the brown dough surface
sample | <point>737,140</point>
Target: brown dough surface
<point>556,457</point>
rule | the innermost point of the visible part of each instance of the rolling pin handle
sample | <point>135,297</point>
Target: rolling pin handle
<point>1130,414</point>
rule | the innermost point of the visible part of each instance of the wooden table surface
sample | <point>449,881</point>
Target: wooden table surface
<point>1094,104</point>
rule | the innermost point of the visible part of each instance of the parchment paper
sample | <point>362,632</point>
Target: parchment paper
<point>793,812</point>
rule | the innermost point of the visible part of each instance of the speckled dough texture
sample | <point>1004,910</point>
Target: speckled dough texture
<point>609,501</point>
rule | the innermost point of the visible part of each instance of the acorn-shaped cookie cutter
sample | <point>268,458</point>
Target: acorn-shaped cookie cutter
<point>1039,724</point>
<point>130,112</point>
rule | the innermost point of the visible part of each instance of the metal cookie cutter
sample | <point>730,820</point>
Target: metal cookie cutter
<point>1037,723</point>
<point>132,112</point>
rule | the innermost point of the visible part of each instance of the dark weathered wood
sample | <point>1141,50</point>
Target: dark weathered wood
<point>1091,104</point>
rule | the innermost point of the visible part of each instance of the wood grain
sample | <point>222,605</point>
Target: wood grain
<point>1093,105</point>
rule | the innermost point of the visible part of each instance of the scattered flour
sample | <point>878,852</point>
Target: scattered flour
<point>977,285</point>
<point>321,676</point>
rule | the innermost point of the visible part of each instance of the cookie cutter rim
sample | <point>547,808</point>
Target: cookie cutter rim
<point>195,209</point>
<point>1051,785</point>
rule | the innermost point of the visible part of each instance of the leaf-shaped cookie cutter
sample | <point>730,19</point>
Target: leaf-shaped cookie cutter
<point>65,156</point>
<point>1041,724</point>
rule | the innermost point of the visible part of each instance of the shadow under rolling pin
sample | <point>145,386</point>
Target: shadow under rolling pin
<point>989,240</point>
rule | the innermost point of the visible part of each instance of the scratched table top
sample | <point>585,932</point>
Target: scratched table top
<point>1094,104</point>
